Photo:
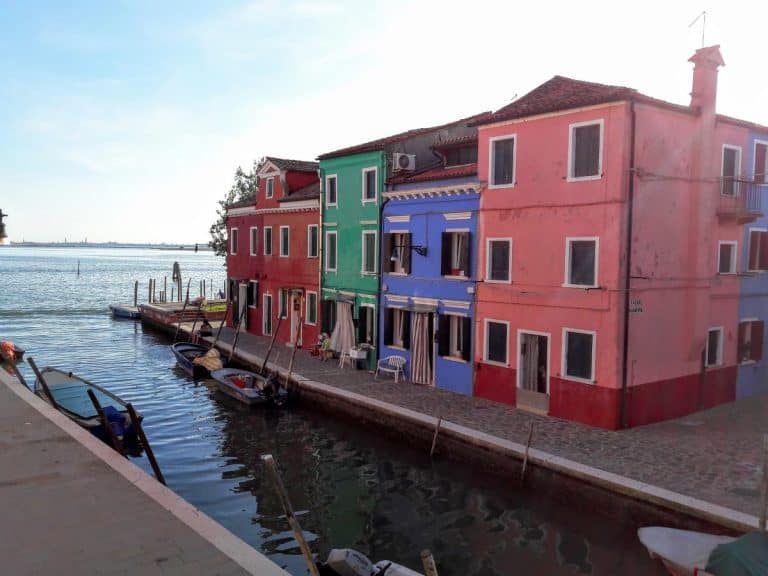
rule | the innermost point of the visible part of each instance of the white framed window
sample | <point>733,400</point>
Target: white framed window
<point>254,241</point>
<point>330,251</point>
<point>726,257</point>
<point>714,352</point>
<point>502,158</point>
<point>730,170</point>
<point>760,162</point>
<point>496,346</point>
<point>267,240</point>
<point>455,253</point>
<point>750,346</point>
<point>758,250</point>
<point>312,241</point>
<point>581,259</point>
<point>311,312</point>
<point>331,190</point>
<point>454,337</point>
<point>498,261</point>
<point>270,187</point>
<point>285,241</point>
<point>369,252</point>
<point>579,355</point>
<point>266,315</point>
<point>370,184</point>
<point>397,328</point>
<point>233,240</point>
<point>585,150</point>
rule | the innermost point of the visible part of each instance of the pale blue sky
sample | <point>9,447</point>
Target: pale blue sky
<point>125,121</point>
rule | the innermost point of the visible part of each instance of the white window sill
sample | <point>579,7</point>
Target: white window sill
<point>713,365</point>
<point>748,363</point>
<point>311,323</point>
<point>501,186</point>
<point>369,201</point>
<point>331,205</point>
<point>311,256</point>
<point>394,347</point>
<point>397,273</point>
<point>455,359</point>
<point>489,281</point>
<point>368,274</point>
<point>583,178</point>
<point>495,363</point>
<point>581,380</point>
<point>330,271</point>
<point>581,286</point>
<point>455,277</point>
<point>727,273</point>
<point>284,256</point>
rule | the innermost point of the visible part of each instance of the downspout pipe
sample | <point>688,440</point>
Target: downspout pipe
<point>624,408</point>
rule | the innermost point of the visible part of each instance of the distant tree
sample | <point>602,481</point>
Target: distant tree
<point>244,186</point>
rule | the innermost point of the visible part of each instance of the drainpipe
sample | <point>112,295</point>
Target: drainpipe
<point>320,252</point>
<point>379,296</point>
<point>623,409</point>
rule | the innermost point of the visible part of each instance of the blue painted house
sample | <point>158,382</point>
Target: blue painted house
<point>429,233</point>
<point>753,294</point>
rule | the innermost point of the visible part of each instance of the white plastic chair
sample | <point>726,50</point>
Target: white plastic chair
<point>392,365</point>
<point>343,357</point>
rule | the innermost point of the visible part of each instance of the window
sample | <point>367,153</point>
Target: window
<point>330,190</point>
<point>283,313</point>
<point>455,254</point>
<point>581,262</point>
<point>311,313</point>
<point>330,251</point>
<point>254,241</point>
<point>585,156</point>
<point>397,253</point>
<point>285,238</point>
<point>270,187</point>
<point>496,338</point>
<point>369,252</point>
<point>714,347</point>
<point>461,156</point>
<point>730,170</point>
<point>253,293</point>
<point>266,315</point>
<point>454,337</point>
<point>312,248</point>
<point>233,237</point>
<point>328,316</point>
<point>397,328</point>
<point>369,185</point>
<point>726,258</point>
<point>758,250</point>
<point>761,159</point>
<point>579,355</point>
<point>502,169</point>
<point>498,257</point>
<point>751,340</point>
<point>268,241</point>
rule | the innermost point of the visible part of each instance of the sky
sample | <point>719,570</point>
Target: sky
<point>126,120</point>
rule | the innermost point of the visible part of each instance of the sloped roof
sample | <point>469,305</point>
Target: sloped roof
<point>456,142</point>
<point>298,165</point>
<point>306,193</point>
<point>381,143</point>
<point>439,172</point>
<point>244,203</point>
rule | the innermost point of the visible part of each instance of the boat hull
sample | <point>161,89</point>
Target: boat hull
<point>185,353</point>
<point>254,388</point>
<point>125,311</point>
<point>681,551</point>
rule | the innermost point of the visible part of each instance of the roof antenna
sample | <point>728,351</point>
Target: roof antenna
<point>703,18</point>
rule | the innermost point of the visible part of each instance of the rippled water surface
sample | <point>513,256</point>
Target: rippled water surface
<point>349,486</point>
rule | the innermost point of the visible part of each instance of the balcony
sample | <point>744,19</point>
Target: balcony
<point>740,200</point>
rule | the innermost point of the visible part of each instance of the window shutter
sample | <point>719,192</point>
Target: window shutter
<point>760,153</point>
<point>741,351</point>
<point>443,334</point>
<point>763,264</point>
<point>388,321</point>
<point>464,254</point>
<point>406,330</point>
<point>386,253</point>
<point>758,327</point>
<point>445,265</point>
<point>466,345</point>
<point>406,253</point>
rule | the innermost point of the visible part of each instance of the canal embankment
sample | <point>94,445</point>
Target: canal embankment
<point>72,505</point>
<point>703,470</point>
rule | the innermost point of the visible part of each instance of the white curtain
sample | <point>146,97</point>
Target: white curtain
<point>421,369</point>
<point>343,336</point>
<point>397,332</point>
<point>531,362</point>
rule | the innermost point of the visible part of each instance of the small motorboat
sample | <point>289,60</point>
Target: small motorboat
<point>250,388</point>
<point>71,395</point>
<point>347,562</point>
<point>125,311</point>
<point>10,352</point>
<point>687,553</point>
<point>197,360</point>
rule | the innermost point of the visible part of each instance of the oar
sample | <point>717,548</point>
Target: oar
<point>221,324</point>
<point>43,383</point>
<point>271,344</point>
<point>183,309</point>
<point>143,438</point>
<point>114,440</point>
<point>237,332</point>
<point>16,372</point>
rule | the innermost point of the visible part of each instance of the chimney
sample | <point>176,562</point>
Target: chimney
<point>706,62</point>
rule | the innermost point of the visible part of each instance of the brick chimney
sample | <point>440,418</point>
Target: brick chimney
<point>706,62</point>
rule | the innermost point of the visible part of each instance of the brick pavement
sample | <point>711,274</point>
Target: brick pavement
<point>712,455</point>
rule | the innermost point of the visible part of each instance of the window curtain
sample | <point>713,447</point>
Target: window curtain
<point>343,336</point>
<point>421,369</point>
<point>529,378</point>
<point>399,331</point>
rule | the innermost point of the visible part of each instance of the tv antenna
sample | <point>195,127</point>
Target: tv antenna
<point>703,18</point>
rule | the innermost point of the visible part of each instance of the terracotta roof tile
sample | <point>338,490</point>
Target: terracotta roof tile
<point>435,173</point>
<point>244,203</point>
<point>306,193</point>
<point>298,165</point>
<point>455,142</point>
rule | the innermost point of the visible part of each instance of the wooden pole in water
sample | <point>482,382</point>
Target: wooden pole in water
<point>288,509</point>
<point>434,439</point>
<point>295,347</point>
<point>271,344</point>
<point>114,440</point>
<point>428,561</point>
<point>527,446</point>
<point>43,383</point>
<point>136,293</point>
<point>149,291</point>
<point>183,309</point>
<point>165,287</point>
<point>78,268</point>
<point>237,332</point>
<point>172,294</point>
<point>764,499</point>
<point>221,324</point>
<point>17,373</point>
<point>144,442</point>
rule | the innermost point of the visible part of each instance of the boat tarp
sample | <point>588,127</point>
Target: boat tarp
<point>745,556</point>
<point>74,398</point>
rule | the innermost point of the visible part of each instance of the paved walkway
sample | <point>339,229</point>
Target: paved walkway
<point>71,505</point>
<point>714,455</point>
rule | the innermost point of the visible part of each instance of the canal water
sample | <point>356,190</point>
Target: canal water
<point>350,486</point>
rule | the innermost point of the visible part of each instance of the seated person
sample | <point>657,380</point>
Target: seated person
<point>325,347</point>
<point>205,328</point>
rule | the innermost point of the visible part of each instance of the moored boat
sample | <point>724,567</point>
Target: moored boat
<point>250,388</point>
<point>125,311</point>
<point>10,352</point>
<point>71,395</point>
<point>197,360</point>
<point>347,562</point>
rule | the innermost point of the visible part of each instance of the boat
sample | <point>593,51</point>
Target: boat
<point>71,395</point>
<point>10,352</point>
<point>348,562</point>
<point>250,388</point>
<point>197,360</point>
<point>688,553</point>
<point>125,311</point>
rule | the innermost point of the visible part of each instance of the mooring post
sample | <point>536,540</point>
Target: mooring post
<point>288,509</point>
<point>78,268</point>
<point>527,447</point>
<point>434,438</point>
<point>144,442</point>
<point>135,293</point>
<point>165,287</point>
<point>114,440</point>
<point>183,309</point>
<point>149,291</point>
<point>764,499</point>
<point>428,561</point>
<point>43,383</point>
<point>271,344</point>
<point>237,332</point>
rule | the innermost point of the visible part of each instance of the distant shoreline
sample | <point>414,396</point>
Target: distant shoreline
<point>186,247</point>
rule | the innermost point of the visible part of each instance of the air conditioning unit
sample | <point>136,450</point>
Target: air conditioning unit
<point>403,161</point>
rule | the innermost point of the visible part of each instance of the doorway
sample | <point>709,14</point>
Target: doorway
<point>242,304</point>
<point>365,325</point>
<point>295,303</point>
<point>533,371</point>
<point>422,352</point>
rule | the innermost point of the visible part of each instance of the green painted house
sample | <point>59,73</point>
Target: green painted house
<point>352,183</point>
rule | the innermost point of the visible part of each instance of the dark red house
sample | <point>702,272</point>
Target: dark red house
<point>273,256</point>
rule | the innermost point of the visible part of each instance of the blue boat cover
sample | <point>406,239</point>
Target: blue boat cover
<point>745,556</point>
<point>75,399</point>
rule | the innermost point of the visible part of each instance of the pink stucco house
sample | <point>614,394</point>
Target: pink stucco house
<point>609,253</point>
